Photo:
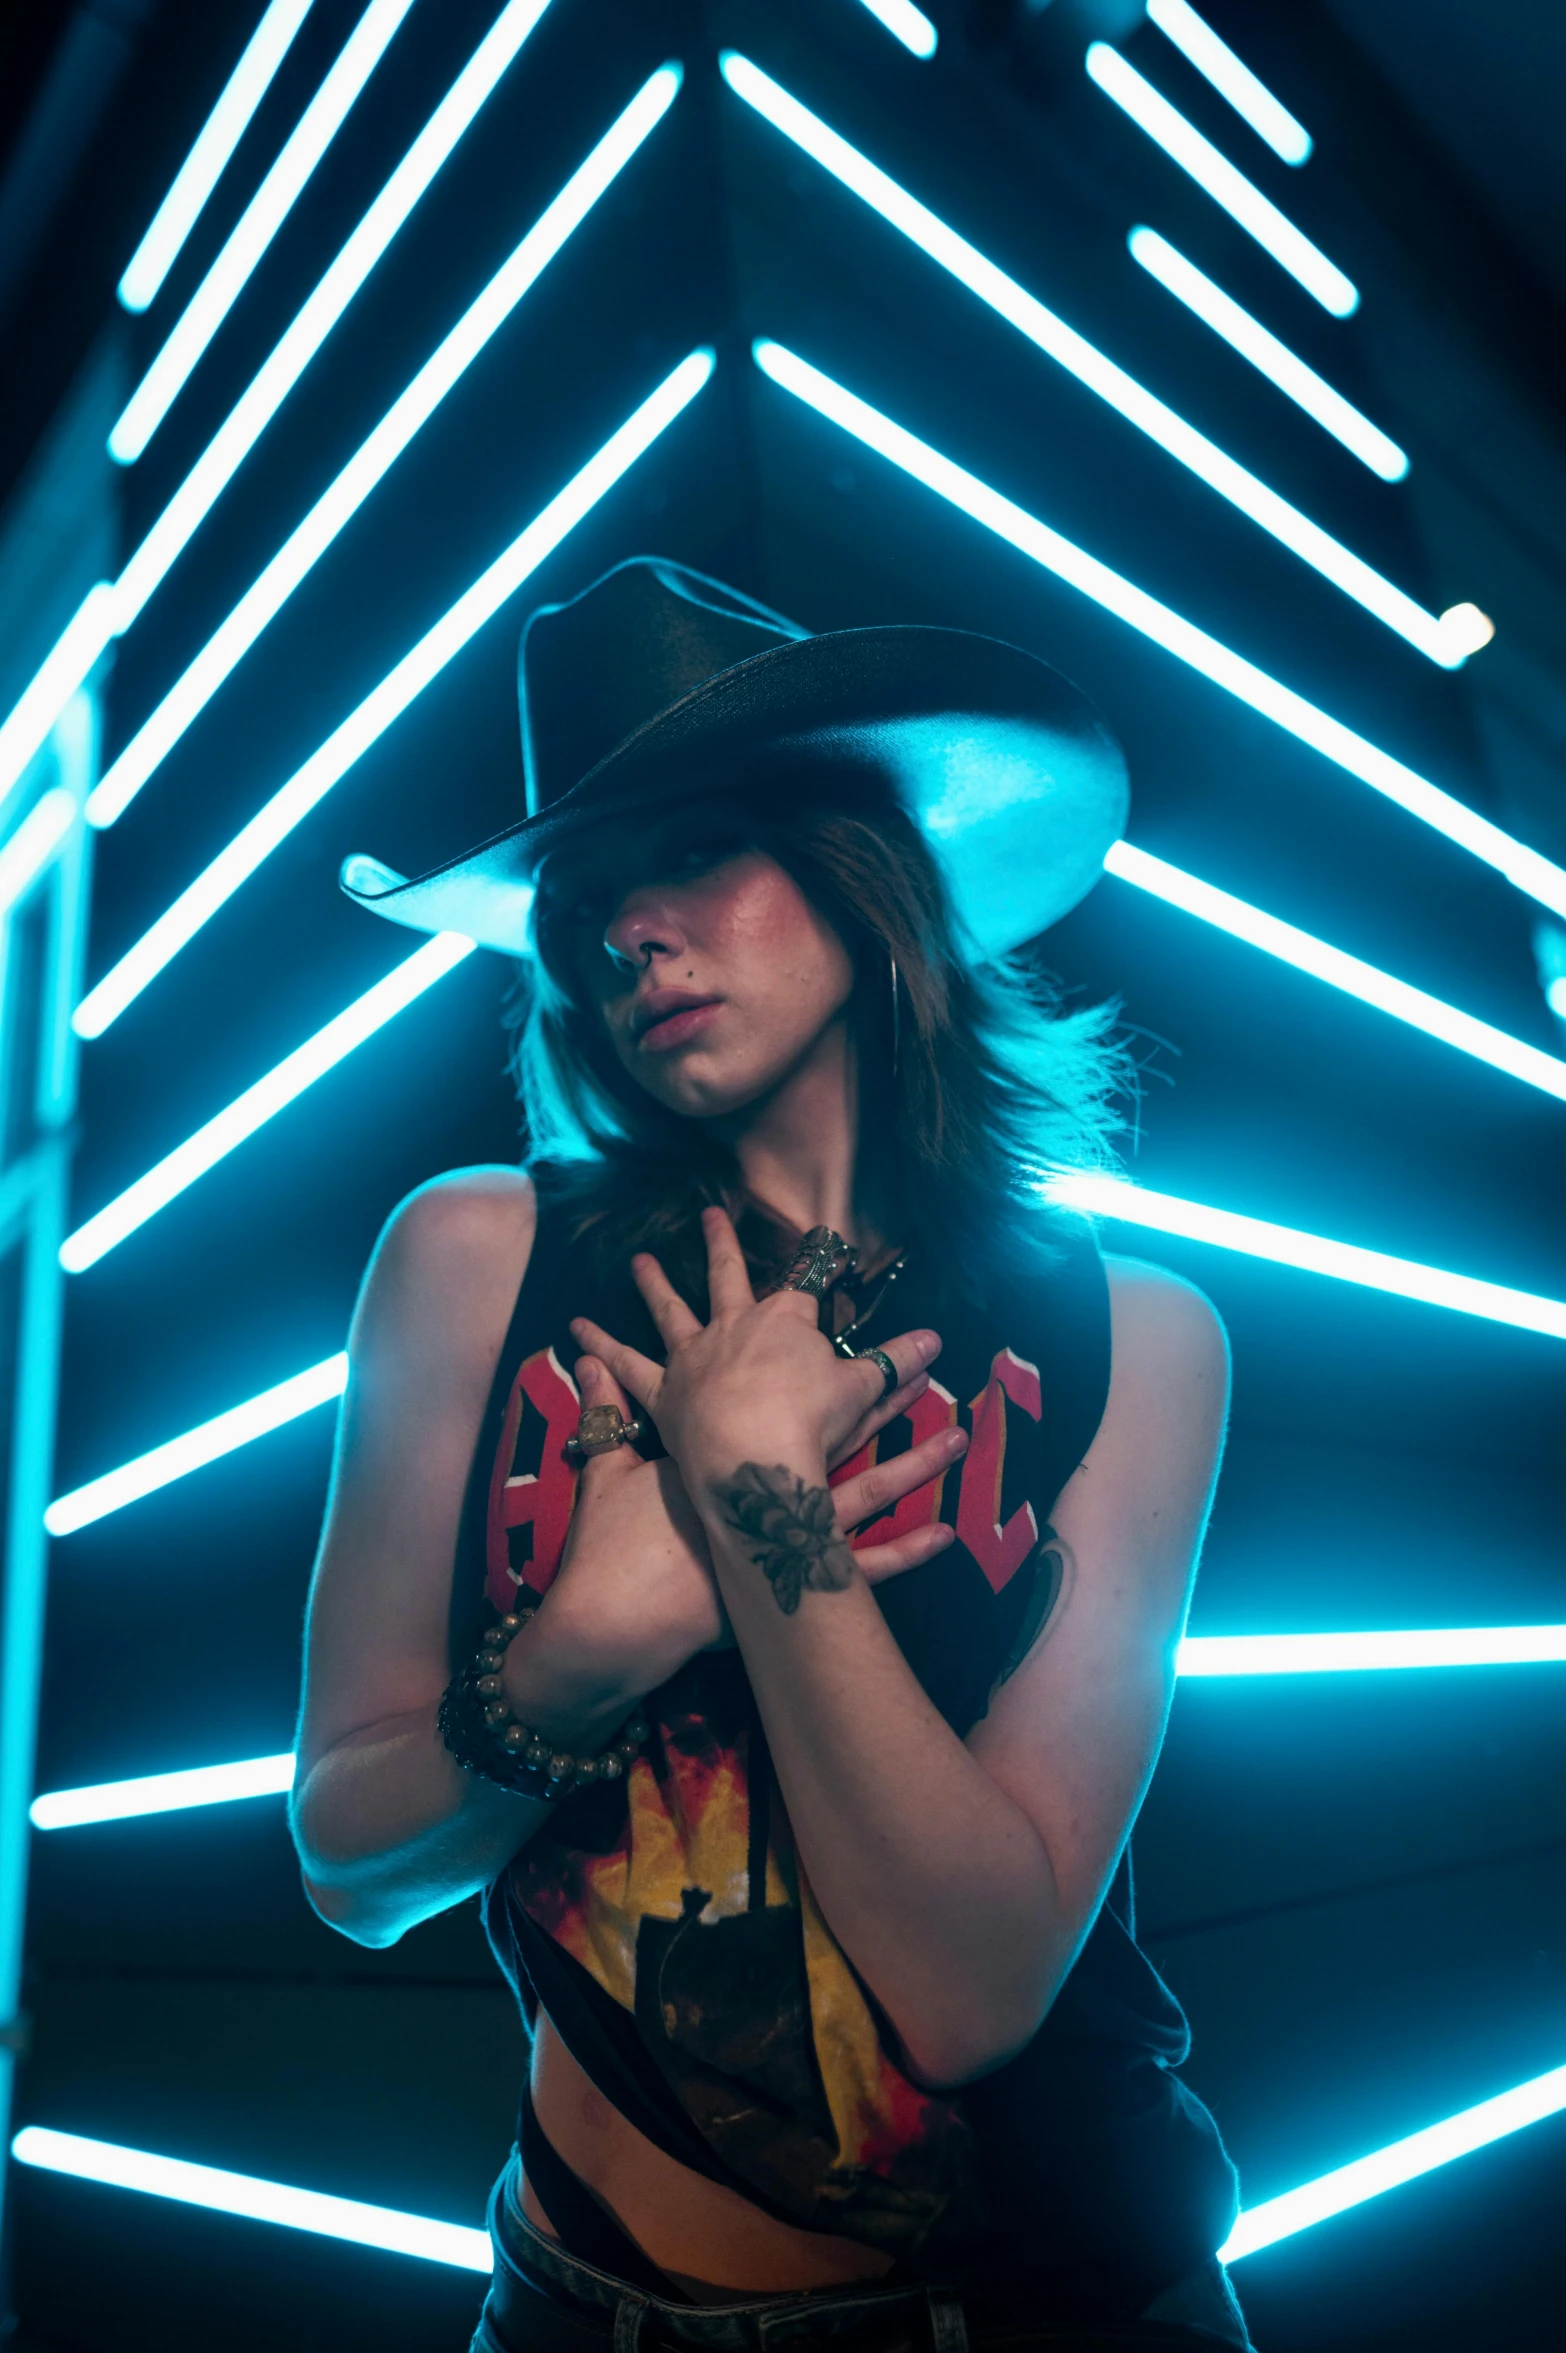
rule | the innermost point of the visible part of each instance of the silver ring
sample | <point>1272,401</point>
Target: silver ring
<point>601,1429</point>
<point>884,1366</point>
<point>821,1257</point>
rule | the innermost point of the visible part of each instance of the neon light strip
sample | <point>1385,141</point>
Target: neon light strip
<point>26,852</point>
<point>258,2201</point>
<point>1522,866</point>
<point>163,1793</point>
<point>321,310</point>
<point>1275,360</point>
<point>206,1443</point>
<point>1267,116</point>
<point>1339,971</point>
<point>261,1102</point>
<point>108,613</point>
<point>257,225</point>
<point>905,23</point>
<point>1165,1213</point>
<point>1387,2169</point>
<point>1083,360</point>
<point>380,450</point>
<point>277,818</point>
<point>62,670</point>
<point>202,168</point>
<point>1340,1654</point>
<point>1212,171</point>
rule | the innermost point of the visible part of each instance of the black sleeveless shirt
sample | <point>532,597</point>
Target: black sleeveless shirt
<point>666,1922</point>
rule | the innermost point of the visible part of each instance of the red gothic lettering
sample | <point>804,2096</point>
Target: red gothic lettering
<point>928,1415</point>
<point>541,1498</point>
<point>1000,1552</point>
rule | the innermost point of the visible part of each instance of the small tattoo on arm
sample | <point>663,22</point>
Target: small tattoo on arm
<point>1049,1575</point>
<point>790,1531</point>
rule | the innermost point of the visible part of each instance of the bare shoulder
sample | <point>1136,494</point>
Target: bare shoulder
<point>1160,1321</point>
<point>444,1275</point>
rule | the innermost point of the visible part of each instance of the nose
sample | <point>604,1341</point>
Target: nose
<point>645,925</point>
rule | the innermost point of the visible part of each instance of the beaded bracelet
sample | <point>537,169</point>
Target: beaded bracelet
<point>482,1734</point>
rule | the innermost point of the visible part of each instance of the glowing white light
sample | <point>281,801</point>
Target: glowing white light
<point>1530,872</point>
<point>163,1793</point>
<point>1212,171</point>
<point>905,23</point>
<point>206,1443</point>
<point>64,667</point>
<point>1166,1213</point>
<point>1555,997</point>
<point>1267,116</point>
<point>1386,2169</point>
<point>1338,1654</point>
<point>220,134</point>
<point>321,310</point>
<point>258,2201</point>
<point>257,225</point>
<point>1089,365</point>
<point>1467,628</point>
<point>1281,366</point>
<point>26,852</point>
<point>251,1110</point>
<point>344,496</point>
<point>1340,971</point>
<point>277,818</point>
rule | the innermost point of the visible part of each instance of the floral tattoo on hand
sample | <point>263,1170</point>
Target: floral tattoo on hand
<point>790,1531</point>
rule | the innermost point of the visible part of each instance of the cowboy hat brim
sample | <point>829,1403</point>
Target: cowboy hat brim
<point>1009,771</point>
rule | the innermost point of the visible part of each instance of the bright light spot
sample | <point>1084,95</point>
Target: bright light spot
<point>1466,628</point>
<point>1555,997</point>
<point>1526,868</point>
<point>276,819</point>
<point>1165,1213</point>
<point>258,1104</point>
<point>64,668</point>
<point>220,134</point>
<point>1387,2169</point>
<point>259,223</point>
<point>343,497</point>
<point>1267,116</point>
<point>1281,366</point>
<point>1338,1654</point>
<point>163,1793</point>
<point>905,23</point>
<point>1184,144</point>
<point>26,852</point>
<point>1340,971</point>
<point>322,309</point>
<point>1089,365</point>
<point>256,2200</point>
<point>206,1443</point>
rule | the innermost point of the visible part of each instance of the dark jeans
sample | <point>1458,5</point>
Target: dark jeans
<point>544,2301</point>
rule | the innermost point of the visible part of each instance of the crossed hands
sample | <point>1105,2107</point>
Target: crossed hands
<point>758,1382</point>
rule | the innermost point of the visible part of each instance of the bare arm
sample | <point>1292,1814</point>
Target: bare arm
<point>960,1879</point>
<point>388,1827</point>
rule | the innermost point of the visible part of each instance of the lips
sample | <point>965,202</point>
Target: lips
<point>666,1018</point>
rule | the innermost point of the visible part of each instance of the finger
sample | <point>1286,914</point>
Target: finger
<point>668,1310</point>
<point>728,1277</point>
<point>880,1561</point>
<point>888,1482</point>
<point>886,1409</point>
<point>630,1368</point>
<point>910,1352</point>
<point>596,1385</point>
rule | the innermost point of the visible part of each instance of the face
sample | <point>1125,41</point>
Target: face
<point>715,976</point>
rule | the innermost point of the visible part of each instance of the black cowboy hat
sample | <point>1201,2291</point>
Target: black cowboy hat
<point>657,684</point>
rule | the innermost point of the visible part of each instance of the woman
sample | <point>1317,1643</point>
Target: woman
<point>760,1535</point>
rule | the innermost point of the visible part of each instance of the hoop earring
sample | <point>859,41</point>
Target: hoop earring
<point>896,1012</point>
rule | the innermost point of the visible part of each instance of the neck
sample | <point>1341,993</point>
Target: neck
<point>798,1147</point>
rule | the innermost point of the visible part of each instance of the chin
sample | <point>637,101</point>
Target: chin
<point>697,1093</point>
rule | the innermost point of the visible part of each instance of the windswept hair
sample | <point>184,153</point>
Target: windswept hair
<point>994,1087</point>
